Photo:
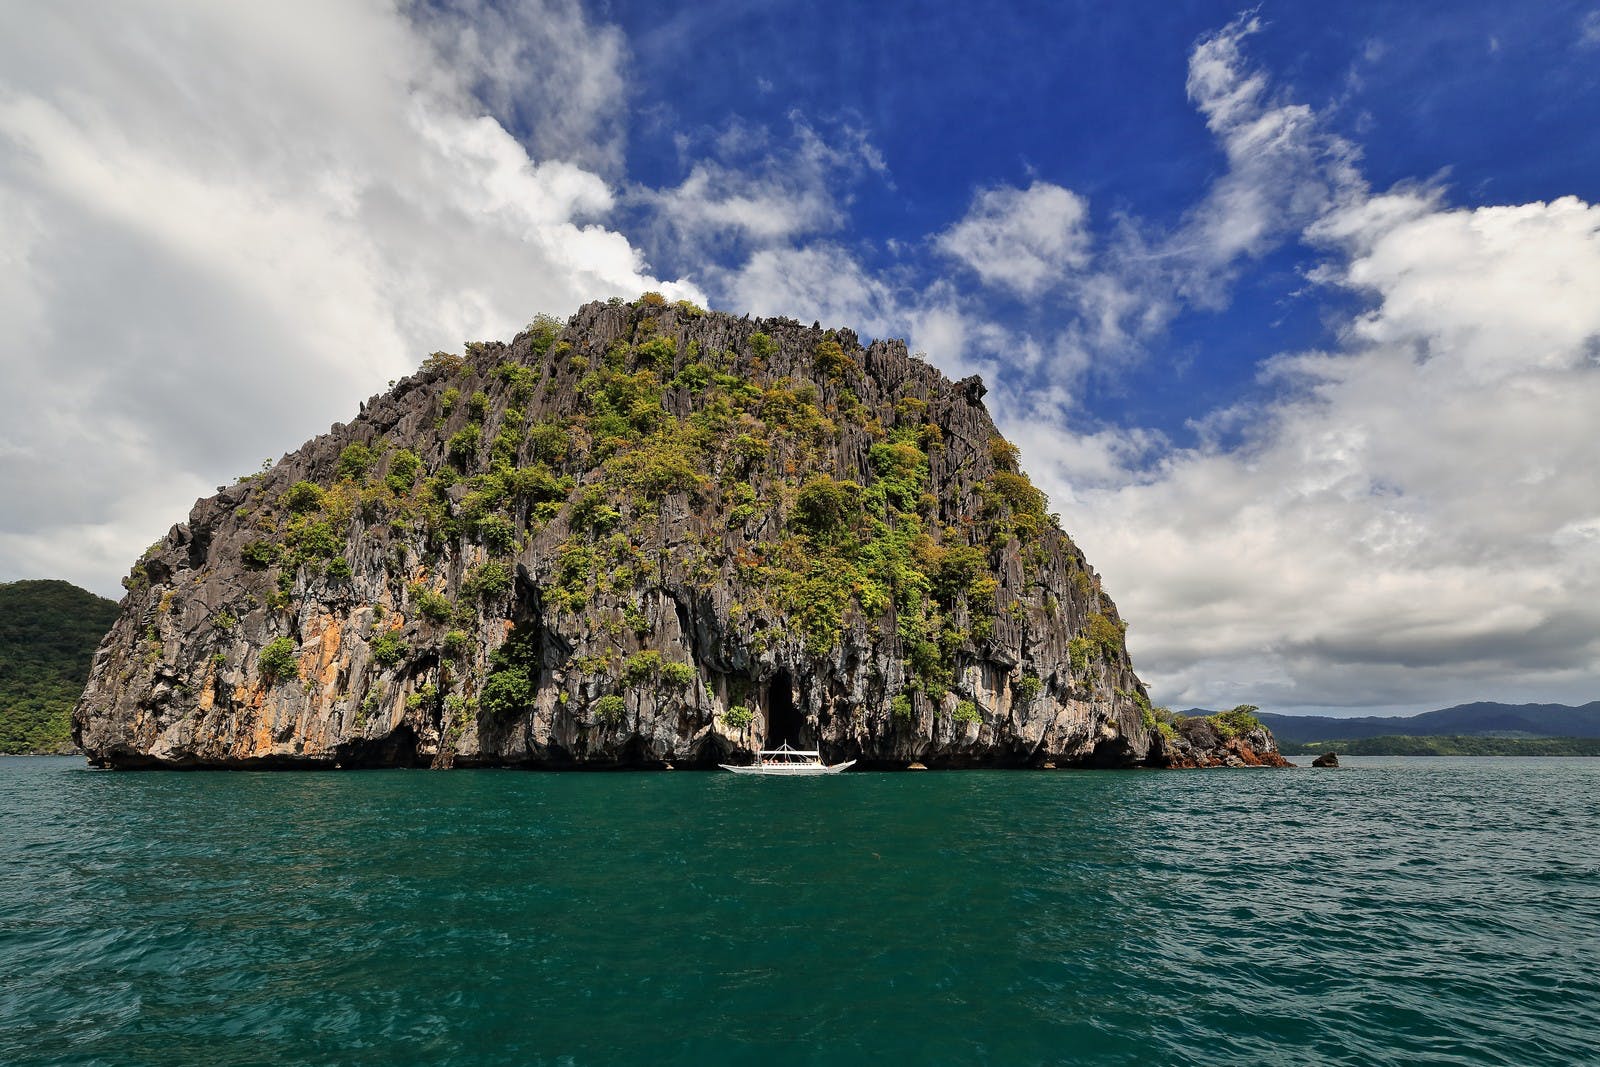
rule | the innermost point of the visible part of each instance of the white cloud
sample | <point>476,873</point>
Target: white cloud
<point>1025,240</point>
<point>222,224</point>
<point>1411,522</point>
<point>1283,170</point>
<point>746,188</point>
<point>824,282</point>
<point>815,282</point>
<point>1589,29</point>
<point>543,67</point>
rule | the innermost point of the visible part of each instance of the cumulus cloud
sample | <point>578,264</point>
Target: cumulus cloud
<point>818,281</point>
<point>1414,518</point>
<point>1024,240</point>
<point>543,67</point>
<point>825,282</point>
<point>223,223</point>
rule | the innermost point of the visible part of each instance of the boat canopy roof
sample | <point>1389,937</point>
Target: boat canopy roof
<point>785,750</point>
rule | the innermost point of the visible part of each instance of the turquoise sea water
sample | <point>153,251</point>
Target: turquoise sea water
<point>1403,911</point>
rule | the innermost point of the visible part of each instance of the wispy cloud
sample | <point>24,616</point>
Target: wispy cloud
<point>1285,168</point>
<point>748,188</point>
<point>1118,290</point>
<point>1589,29</point>
<point>1024,240</point>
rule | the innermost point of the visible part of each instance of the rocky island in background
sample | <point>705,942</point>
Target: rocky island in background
<point>649,536</point>
<point>48,633</point>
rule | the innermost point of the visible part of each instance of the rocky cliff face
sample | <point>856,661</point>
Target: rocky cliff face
<point>651,535</point>
<point>1216,741</point>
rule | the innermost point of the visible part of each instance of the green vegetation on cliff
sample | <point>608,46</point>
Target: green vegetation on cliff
<point>1237,722</point>
<point>648,534</point>
<point>48,633</point>
<point>652,420</point>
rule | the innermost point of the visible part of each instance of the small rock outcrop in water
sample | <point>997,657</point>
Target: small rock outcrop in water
<point>1327,759</point>
<point>649,535</point>
<point>1230,739</point>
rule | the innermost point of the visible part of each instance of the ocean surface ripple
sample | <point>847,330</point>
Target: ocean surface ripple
<point>1400,911</point>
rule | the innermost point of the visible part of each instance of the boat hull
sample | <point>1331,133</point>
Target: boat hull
<point>801,770</point>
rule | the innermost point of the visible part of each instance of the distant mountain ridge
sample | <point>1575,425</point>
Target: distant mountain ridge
<point>1448,745</point>
<point>49,630</point>
<point>1482,719</point>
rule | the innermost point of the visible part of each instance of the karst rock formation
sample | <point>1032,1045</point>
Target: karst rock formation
<point>649,536</point>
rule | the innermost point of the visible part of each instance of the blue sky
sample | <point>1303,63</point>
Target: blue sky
<point>1492,100</point>
<point>1291,308</point>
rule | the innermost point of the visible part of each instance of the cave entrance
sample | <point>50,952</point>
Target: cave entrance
<point>785,723</point>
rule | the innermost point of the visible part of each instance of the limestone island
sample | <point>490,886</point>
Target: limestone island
<point>651,536</point>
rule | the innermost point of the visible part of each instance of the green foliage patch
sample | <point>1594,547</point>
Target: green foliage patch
<point>1105,634</point>
<point>258,555</point>
<point>487,580</point>
<point>509,688</point>
<point>1079,649</point>
<point>1237,722</point>
<point>302,497</point>
<point>388,648</point>
<point>543,331</point>
<point>1011,500</point>
<point>762,346</point>
<point>434,606</point>
<point>463,445</point>
<point>278,661</point>
<point>1027,688</point>
<point>650,668</point>
<point>355,460</point>
<point>610,708</point>
<point>404,465</point>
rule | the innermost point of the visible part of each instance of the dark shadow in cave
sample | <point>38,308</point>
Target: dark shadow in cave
<point>396,749</point>
<point>785,723</point>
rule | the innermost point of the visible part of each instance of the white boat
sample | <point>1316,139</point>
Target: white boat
<point>786,762</point>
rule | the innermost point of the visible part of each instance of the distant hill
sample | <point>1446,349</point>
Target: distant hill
<point>49,631</point>
<point>1461,746</point>
<point>1482,719</point>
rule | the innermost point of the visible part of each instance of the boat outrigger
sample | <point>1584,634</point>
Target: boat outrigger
<point>786,762</point>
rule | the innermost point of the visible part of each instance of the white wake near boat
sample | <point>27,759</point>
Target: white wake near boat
<point>786,762</point>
